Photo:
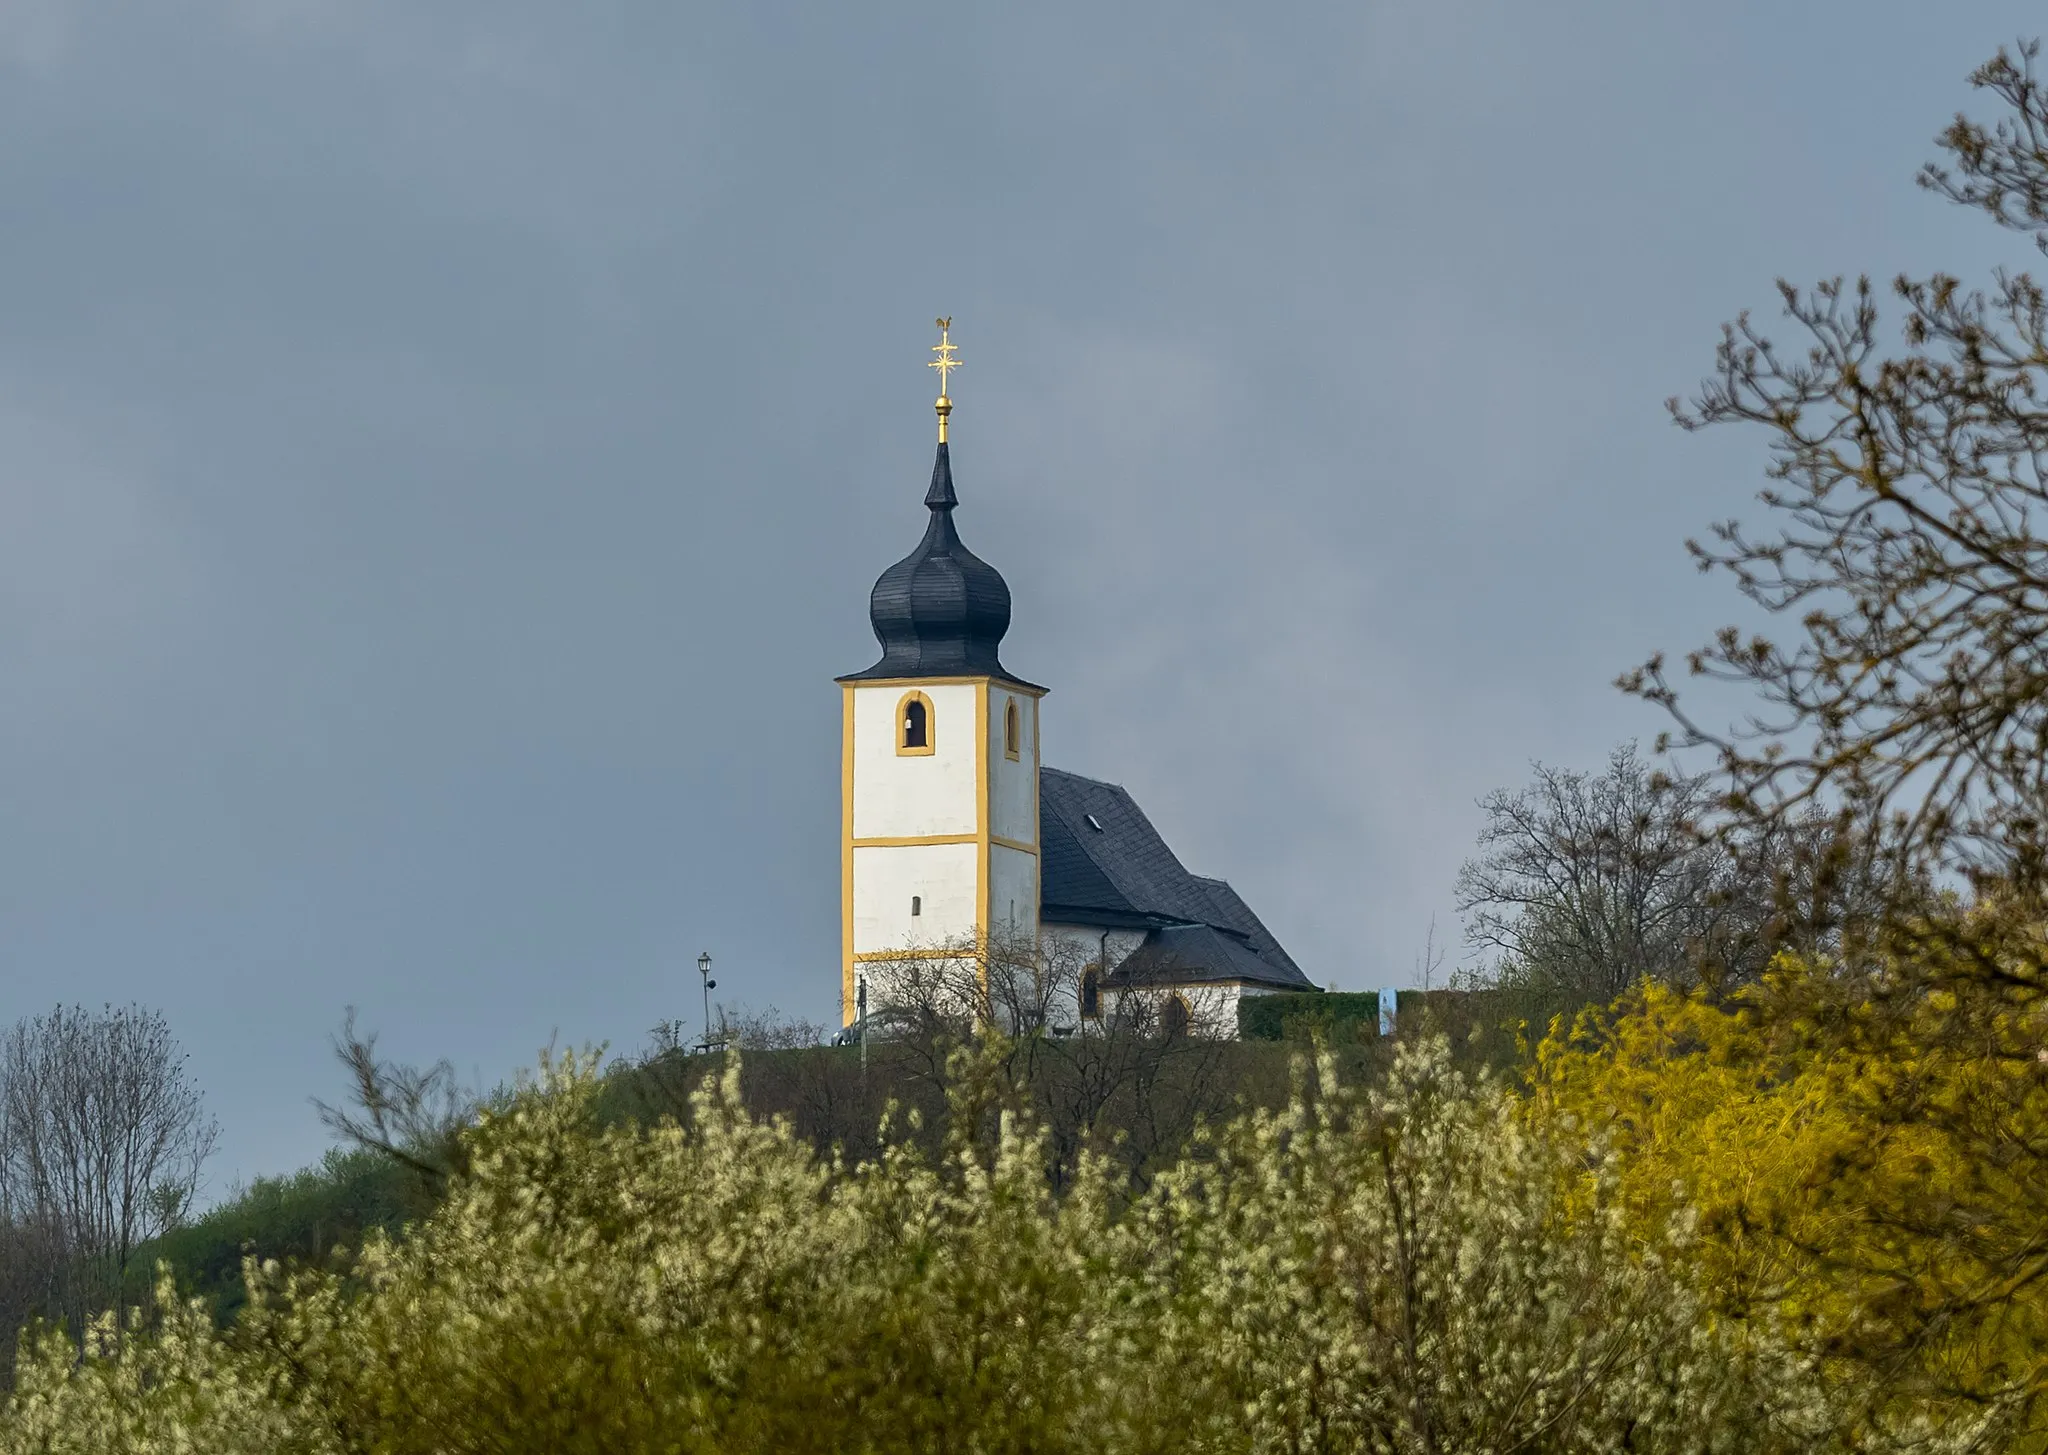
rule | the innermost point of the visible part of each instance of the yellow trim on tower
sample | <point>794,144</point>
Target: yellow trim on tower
<point>846,996</point>
<point>1037,831</point>
<point>931,726</point>
<point>982,820</point>
<point>935,953</point>
<point>1021,848</point>
<point>908,841</point>
<point>965,681</point>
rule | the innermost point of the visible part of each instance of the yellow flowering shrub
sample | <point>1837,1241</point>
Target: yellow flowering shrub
<point>1874,1176</point>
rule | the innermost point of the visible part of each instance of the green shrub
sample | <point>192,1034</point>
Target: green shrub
<point>302,1218</point>
<point>1295,1017</point>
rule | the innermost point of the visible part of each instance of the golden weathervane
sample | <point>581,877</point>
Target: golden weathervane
<point>945,363</point>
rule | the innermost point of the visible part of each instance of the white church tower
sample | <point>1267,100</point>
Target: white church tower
<point>939,776</point>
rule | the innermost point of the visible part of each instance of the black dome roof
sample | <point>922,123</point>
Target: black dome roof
<point>941,611</point>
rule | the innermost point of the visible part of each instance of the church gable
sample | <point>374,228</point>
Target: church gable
<point>1106,866</point>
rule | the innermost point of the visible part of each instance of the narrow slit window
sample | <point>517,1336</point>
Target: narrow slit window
<point>1013,730</point>
<point>915,724</point>
<point>916,905</point>
<point>1091,994</point>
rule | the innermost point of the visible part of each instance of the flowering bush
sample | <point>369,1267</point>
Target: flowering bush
<point>1871,1175</point>
<point>1414,1268</point>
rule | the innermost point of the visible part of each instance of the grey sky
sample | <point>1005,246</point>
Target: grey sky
<point>445,450</point>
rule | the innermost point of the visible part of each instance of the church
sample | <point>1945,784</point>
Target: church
<point>955,836</point>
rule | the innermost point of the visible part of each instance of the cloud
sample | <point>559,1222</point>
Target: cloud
<point>34,34</point>
<point>99,582</point>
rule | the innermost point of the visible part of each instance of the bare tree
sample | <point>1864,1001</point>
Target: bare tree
<point>767,1030</point>
<point>1132,1082</point>
<point>105,1137</point>
<point>1908,486</point>
<point>1903,694</point>
<point>1587,882</point>
<point>34,1271</point>
<point>35,1281</point>
<point>413,1115</point>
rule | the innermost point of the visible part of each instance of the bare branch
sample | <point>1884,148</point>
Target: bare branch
<point>414,1116</point>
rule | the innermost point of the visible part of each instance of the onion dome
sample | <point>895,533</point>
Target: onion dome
<point>941,611</point>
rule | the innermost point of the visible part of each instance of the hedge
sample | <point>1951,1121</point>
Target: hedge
<point>1285,1016</point>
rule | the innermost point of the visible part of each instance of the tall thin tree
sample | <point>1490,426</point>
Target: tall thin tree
<point>103,1138</point>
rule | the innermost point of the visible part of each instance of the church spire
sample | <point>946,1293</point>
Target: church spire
<point>945,363</point>
<point>941,611</point>
<point>941,496</point>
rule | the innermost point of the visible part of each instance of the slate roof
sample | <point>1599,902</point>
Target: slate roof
<point>1122,875</point>
<point>1193,954</point>
<point>1234,914</point>
<point>941,611</point>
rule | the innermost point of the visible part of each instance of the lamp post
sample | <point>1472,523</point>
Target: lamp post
<point>704,970</point>
<point>861,1012</point>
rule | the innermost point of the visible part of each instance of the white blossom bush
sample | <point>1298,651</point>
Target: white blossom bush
<point>1408,1269</point>
<point>178,1387</point>
<point>1416,1269</point>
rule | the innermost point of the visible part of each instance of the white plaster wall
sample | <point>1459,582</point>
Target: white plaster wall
<point>1013,801</point>
<point>1078,945</point>
<point>916,795</point>
<point>1013,893</point>
<point>1070,949</point>
<point>1212,1009</point>
<point>944,876</point>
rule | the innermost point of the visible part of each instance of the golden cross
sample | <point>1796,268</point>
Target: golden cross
<point>945,348</point>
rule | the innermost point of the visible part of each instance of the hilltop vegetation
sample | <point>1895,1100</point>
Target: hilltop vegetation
<point>303,1218</point>
<point>1416,1267</point>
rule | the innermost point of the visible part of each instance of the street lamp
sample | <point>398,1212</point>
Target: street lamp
<point>861,1004</point>
<point>704,969</point>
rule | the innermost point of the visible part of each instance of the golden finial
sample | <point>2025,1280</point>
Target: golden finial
<point>945,363</point>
